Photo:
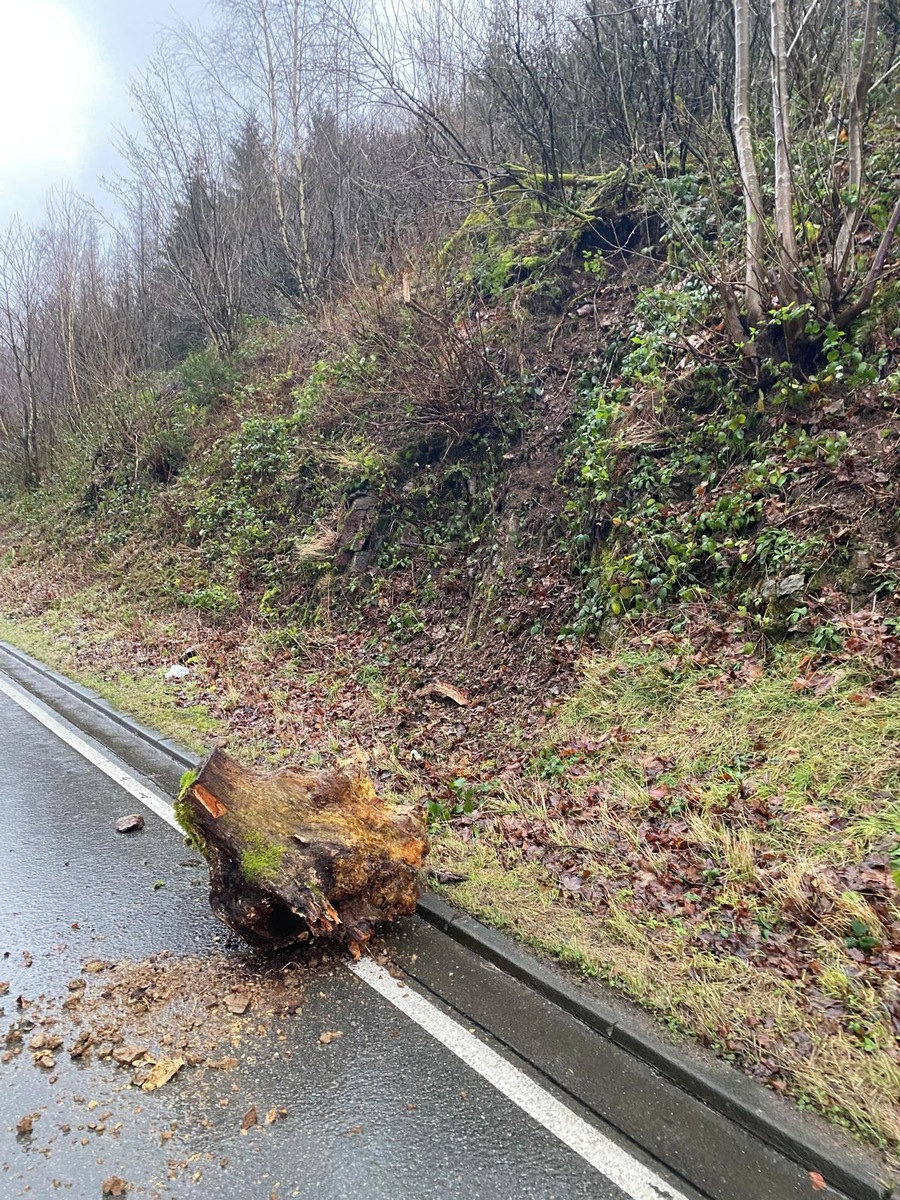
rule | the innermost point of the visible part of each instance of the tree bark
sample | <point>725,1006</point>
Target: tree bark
<point>788,257</point>
<point>294,857</point>
<point>754,285</point>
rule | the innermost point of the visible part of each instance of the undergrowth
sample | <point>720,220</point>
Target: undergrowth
<point>691,481</point>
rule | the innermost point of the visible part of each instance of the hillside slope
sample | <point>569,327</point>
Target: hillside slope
<point>526,534</point>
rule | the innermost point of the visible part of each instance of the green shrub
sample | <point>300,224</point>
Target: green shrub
<point>206,378</point>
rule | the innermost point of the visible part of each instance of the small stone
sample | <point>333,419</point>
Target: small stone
<point>237,1002</point>
<point>791,584</point>
<point>45,1041</point>
<point>25,1124</point>
<point>162,1072</point>
<point>127,824</point>
<point>125,1056</point>
<point>81,1044</point>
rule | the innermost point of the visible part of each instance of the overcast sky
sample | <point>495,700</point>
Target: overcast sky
<point>65,66</point>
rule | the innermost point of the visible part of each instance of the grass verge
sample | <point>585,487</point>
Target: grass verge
<point>725,848</point>
<point>64,641</point>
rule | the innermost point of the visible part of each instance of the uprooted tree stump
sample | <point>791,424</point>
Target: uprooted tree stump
<point>295,856</point>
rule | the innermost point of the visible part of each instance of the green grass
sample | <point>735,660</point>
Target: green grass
<point>678,747</point>
<point>839,747</point>
<point>60,639</point>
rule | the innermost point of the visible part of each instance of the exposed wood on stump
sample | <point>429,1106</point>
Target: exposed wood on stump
<point>293,856</point>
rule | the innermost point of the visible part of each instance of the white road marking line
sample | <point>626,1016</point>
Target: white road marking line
<point>131,785</point>
<point>627,1173</point>
<point>585,1139</point>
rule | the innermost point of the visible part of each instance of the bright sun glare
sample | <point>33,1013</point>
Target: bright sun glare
<point>49,78</point>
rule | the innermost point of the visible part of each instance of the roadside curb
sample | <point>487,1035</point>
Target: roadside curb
<point>726,1091</point>
<point>94,700</point>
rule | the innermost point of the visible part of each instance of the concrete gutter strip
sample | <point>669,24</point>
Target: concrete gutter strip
<point>726,1091</point>
<point>180,753</point>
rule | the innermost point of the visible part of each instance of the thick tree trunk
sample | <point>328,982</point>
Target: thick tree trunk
<point>294,856</point>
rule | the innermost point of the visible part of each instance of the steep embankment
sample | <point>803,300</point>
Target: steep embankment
<point>619,614</point>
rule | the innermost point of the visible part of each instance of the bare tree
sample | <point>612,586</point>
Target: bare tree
<point>22,329</point>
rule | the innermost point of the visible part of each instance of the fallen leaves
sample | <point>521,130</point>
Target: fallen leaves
<point>330,1036</point>
<point>443,691</point>
<point>115,1185</point>
<point>251,1118</point>
<point>440,876</point>
<point>818,682</point>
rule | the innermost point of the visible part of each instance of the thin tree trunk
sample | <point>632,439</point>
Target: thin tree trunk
<point>743,135</point>
<point>858,103</point>
<point>788,257</point>
<point>298,269</point>
<point>876,270</point>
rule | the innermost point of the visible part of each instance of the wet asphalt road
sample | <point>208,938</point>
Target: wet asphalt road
<point>382,1112</point>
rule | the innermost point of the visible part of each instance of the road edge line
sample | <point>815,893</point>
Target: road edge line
<point>612,1161</point>
<point>617,1165</point>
